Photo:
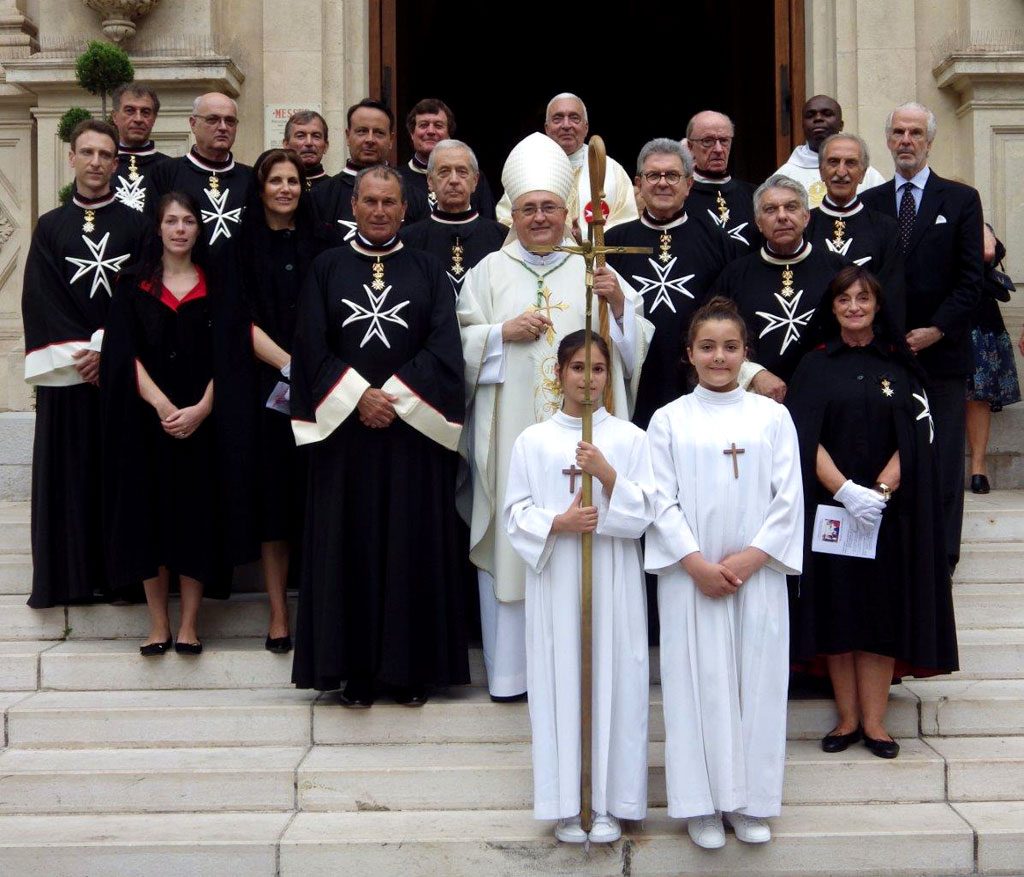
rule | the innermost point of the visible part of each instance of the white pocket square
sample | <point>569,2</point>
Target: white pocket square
<point>940,219</point>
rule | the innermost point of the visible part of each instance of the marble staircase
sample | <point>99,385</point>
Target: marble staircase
<point>113,764</point>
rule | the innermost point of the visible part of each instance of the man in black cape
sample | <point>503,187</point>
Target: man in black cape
<point>306,134</point>
<point>687,258</point>
<point>717,198</point>
<point>377,395</point>
<point>77,251</point>
<point>135,110</point>
<point>209,172</point>
<point>778,288</point>
<point>429,122</point>
<point>843,224</point>
<point>454,232</point>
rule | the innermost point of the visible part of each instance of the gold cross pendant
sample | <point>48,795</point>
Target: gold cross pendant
<point>378,275</point>
<point>89,225</point>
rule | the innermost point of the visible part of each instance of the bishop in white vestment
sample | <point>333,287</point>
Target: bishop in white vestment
<point>727,470</point>
<point>542,481</point>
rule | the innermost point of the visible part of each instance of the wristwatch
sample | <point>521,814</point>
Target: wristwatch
<point>884,489</point>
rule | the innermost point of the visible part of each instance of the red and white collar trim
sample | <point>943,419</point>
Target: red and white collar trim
<point>148,148</point>
<point>675,223</point>
<point>93,203</point>
<point>198,162</point>
<point>773,259</point>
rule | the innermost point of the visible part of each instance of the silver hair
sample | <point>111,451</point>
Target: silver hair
<point>865,159</point>
<point>693,118</point>
<point>385,172</point>
<point>921,108</point>
<point>443,145</point>
<point>195,104</point>
<point>779,181</point>
<point>665,146</point>
<point>566,95</point>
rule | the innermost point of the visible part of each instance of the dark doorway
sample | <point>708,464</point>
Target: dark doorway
<point>498,70</point>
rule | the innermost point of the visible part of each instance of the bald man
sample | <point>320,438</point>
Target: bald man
<point>822,117</point>
<point>209,172</point>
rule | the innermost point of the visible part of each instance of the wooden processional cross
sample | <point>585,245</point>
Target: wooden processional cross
<point>593,253</point>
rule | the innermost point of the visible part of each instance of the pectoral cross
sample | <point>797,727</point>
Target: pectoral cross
<point>572,472</point>
<point>734,452</point>
<point>544,294</point>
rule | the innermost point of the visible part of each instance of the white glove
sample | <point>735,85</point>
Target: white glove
<point>286,370</point>
<point>863,503</point>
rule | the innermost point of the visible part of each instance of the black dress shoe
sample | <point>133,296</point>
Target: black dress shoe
<point>508,698</point>
<point>979,484</point>
<point>279,645</point>
<point>357,695</point>
<point>151,650</point>
<point>188,648</point>
<point>411,696</point>
<point>839,742</point>
<point>882,748</point>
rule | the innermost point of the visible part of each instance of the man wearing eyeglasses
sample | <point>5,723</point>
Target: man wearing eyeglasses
<point>717,198</point>
<point>566,123</point>
<point>822,117</point>
<point>514,309</point>
<point>454,232</point>
<point>675,278</point>
<point>135,111</point>
<point>209,172</point>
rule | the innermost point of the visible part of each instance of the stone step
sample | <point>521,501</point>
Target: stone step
<point>994,517</point>
<point>148,780</point>
<point>19,664</point>
<point>7,700</point>
<point>286,717</point>
<point>990,654</point>
<point>958,707</point>
<point>490,776</point>
<point>131,845</point>
<point>19,621</point>
<point>16,430</point>
<point>15,535</point>
<point>999,832</point>
<point>982,768</point>
<point>838,839</point>
<point>182,718</point>
<point>991,606</point>
<point>16,574</point>
<point>993,562</point>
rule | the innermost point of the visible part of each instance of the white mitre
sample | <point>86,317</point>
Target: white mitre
<point>537,164</point>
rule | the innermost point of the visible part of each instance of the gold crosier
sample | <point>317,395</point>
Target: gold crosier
<point>593,252</point>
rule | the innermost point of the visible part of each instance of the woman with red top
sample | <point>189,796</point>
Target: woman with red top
<point>168,488</point>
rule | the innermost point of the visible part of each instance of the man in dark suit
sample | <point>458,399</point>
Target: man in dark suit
<point>940,234</point>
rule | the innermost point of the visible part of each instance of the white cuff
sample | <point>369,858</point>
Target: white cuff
<point>748,371</point>
<point>422,416</point>
<point>96,342</point>
<point>54,365</point>
<point>333,409</point>
<point>492,370</point>
<point>623,336</point>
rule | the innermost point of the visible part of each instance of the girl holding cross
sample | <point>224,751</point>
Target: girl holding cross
<point>728,529</point>
<point>544,517</point>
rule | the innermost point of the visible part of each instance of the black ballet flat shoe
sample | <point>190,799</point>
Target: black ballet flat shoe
<point>509,698</point>
<point>188,648</point>
<point>279,645</point>
<point>882,748</point>
<point>839,742</point>
<point>979,484</point>
<point>151,650</point>
<point>357,696</point>
<point>411,696</point>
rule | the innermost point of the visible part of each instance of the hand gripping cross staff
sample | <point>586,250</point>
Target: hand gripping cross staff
<point>593,252</point>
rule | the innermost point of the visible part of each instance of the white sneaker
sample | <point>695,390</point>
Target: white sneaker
<point>606,829</point>
<point>570,831</point>
<point>749,829</point>
<point>707,831</point>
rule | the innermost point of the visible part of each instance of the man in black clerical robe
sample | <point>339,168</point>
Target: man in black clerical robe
<point>209,173</point>
<point>717,199</point>
<point>306,134</point>
<point>429,122</point>
<point>377,396</point>
<point>843,224</point>
<point>454,232</point>
<point>135,111</point>
<point>76,253</point>
<point>370,135</point>
<point>674,279</point>
<point>778,288</point>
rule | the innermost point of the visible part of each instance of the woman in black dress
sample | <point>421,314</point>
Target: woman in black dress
<point>866,443</point>
<point>280,239</point>
<point>167,499</point>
